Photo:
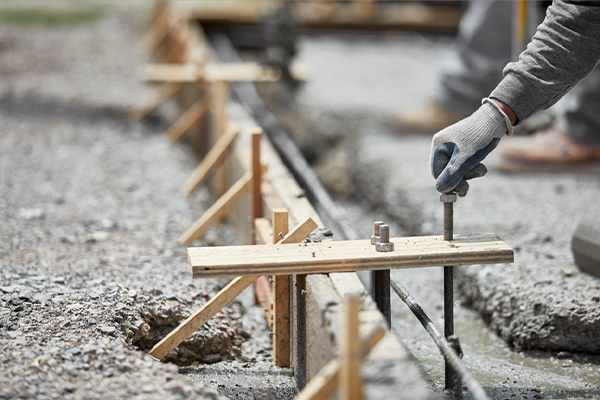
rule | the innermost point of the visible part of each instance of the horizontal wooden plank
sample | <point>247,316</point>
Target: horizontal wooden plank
<point>212,72</point>
<point>347,256</point>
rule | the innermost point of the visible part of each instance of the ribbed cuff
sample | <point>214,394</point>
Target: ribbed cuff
<point>507,122</point>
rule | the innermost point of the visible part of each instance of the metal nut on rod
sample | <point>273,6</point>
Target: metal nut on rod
<point>384,244</point>
<point>375,236</point>
<point>448,198</point>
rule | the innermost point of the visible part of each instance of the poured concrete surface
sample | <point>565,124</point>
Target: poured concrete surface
<point>540,302</point>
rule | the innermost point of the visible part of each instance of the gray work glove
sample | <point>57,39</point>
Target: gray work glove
<point>457,151</point>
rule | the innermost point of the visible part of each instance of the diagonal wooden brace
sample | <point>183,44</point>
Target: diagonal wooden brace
<point>224,297</point>
<point>161,94</point>
<point>189,118</point>
<point>214,157</point>
<point>218,209</point>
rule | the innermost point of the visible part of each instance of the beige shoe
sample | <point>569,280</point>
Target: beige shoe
<point>548,151</point>
<point>430,118</point>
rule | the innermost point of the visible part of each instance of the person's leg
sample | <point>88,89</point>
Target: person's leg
<point>581,115</point>
<point>482,49</point>
<point>574,139</point>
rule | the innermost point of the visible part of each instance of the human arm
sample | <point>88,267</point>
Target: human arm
<point>564,50</point>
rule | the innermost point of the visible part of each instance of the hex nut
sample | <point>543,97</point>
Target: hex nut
<point>448,197</point>
<point>384,247</point>
<point>374,239</point>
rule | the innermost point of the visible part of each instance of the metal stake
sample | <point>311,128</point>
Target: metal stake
<point>453,380</point>
<point>381,279</point>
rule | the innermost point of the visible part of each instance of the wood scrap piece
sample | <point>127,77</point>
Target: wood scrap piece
<point>218,210</point>
<point>199,318</point>
<point>281,298</point>
<point>350,380</point>
<point>348,256</point>
<point>215,156</point>
<point>160,95</point>
<point>189,118</point>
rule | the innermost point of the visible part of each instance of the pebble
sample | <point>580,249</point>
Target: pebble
<point>109,330</point>
<point>7,289</point>
<point>29,214</point>
<point>82,271</point>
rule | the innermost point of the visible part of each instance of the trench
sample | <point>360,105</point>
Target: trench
<point>331,132</point>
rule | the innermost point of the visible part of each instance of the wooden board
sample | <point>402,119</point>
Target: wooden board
<point>348,256</point>
<point>233,72</point>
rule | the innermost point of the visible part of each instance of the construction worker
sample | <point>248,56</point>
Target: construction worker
<point>564,50</point>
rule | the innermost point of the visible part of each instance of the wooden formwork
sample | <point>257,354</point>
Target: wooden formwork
<point>259,196</point>
<point>315,301</point>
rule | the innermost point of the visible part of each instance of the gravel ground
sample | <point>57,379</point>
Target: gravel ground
<point>91,271</point>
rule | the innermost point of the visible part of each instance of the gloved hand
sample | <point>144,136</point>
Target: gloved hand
<point>457,151</point>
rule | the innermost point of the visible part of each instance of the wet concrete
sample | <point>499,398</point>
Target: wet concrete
<point>238,380</point>
<point>357,84</point>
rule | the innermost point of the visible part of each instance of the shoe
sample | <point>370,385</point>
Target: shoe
<point>430,118</point>
<point>552,150</point>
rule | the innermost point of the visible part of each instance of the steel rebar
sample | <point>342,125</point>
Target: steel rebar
<point>447,352</point>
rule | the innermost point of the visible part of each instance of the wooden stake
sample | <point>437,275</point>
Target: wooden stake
<point>160,95</point>
<point>218,210</point>
<point>348,256</point>
<point>350,380</point>
<point>215,156</point>
<point>224,297</point>
<point>263,231</point>
<point>256,192</point>
<point>189,118</point>
<point>325,383</point>
<point>264,296</point>
<point>221,96</point>
<point>281,294</point>
<point>199,318</point>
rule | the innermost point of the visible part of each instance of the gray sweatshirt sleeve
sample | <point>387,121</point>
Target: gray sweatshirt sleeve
<point>565,48</point>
